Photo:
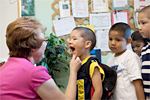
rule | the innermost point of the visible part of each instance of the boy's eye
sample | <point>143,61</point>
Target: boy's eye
<point>143,22</point>
<point>118,39</point>
<point>110,39</point>
<point>74,38</point>
<point>137,45</point>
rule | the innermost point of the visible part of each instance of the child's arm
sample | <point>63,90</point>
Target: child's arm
<point>97,84</point>
<point>139,89</point>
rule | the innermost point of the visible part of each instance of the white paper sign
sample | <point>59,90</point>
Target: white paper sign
<point>80,8</point>
<point>120,3</point>
<point>120,17</point>
<point>64,26</point>
<point>102,40</point>
<point>139,4</point>
<point>99,5</point>
<point>64,8</point>
<point>100,20</point>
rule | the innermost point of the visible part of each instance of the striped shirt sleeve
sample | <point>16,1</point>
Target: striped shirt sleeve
<point>146,68</point>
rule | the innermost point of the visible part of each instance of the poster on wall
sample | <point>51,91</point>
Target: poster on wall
<point>99,5</point>
<point>27,8</point>
<point>139,4</point>
<point>80,8</point>
<point>100,20</point>
<point>102,40</point>
<point>120,4</point>
<point>64,8</point>
<point>64,26</point>
<point>121,16</point>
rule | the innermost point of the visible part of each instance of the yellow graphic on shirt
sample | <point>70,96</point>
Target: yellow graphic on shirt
<point>80,84</point>
<point>92,67</point>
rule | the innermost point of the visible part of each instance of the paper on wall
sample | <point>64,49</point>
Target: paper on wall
<point>64,8</point>
<point>80,8</point>
<point>122,16</point>
<point>120,3</point>
<point>100,20</point>
<point>99,5</point>
<point>102,40</point>
<point>64,26</point>
<point>139,4</point>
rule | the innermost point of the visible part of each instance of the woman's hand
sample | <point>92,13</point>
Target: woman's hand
<point>75,64</point>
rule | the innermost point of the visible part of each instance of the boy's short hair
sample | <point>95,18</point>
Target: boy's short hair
<point>88,35</point>
<point>136,36</point>
<point>22,35</point>
<point>146,10</point>
<point>122,28</point>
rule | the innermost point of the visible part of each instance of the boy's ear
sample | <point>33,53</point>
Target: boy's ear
<point>128,41</point>
<point>88,44</point>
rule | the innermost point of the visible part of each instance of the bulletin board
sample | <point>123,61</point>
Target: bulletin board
<point>80,21</point>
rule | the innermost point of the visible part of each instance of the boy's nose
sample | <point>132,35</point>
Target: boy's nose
<point>70,42</point>
<point>139,28</point>
<point>113,42</point>
<point>135,49</point>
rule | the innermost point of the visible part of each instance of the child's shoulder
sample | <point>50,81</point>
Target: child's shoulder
<point>127,54</point>
<point>85,60</point>
<point>146,46</point>
<point>130,54</point>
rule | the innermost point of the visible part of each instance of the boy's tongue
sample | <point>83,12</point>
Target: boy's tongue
<point>72,49</point>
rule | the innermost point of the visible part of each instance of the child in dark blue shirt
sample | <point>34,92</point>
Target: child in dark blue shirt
<point>144,29</point>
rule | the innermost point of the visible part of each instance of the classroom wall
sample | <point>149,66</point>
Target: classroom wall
<point>8,13</point>
<point>43,13</point>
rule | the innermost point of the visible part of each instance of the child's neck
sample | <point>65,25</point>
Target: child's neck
<point>118,54</point>
<point>82,57</point>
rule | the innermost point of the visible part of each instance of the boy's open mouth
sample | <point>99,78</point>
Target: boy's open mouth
<point>72,49</point>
